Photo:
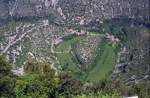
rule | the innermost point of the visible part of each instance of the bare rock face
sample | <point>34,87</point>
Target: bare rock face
<point>106,9</point>
<point>91,9</point>
<point>4,11</point>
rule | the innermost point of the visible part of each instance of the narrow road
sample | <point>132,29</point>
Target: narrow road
<point>17,40</point>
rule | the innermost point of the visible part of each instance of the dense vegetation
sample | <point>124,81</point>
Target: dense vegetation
<point>40,81</point>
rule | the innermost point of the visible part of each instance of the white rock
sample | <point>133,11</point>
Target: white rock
<point>19,71</point>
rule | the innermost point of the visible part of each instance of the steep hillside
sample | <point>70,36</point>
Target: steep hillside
<point>69,10</point>
<point>38,29</point>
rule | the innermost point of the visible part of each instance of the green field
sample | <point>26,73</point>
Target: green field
<point>67,62</point>
<point>66,59</point>
<point>103,64</point>
<point>64,46</point>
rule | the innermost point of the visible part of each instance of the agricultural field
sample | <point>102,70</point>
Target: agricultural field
<point>64,46</point>
<point>65,57</point>
<point>101,65</point>
<point>67,62</point>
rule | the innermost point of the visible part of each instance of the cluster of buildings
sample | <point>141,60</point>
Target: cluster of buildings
<point>88,47</point>
<point>81,20</point>
<point>112,38</point>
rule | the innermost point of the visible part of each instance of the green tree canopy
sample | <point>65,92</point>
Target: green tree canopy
<point>39,81</point>
<point>7,79</point>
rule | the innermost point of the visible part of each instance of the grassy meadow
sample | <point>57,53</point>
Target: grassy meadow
<point>101,66</point>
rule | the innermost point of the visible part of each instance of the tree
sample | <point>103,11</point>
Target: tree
<point>69,87</point>
<point>7,79</point>
<point>39,81</point>
<point>5,67</point>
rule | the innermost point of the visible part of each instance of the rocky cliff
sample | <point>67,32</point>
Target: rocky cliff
<point>71,9</point>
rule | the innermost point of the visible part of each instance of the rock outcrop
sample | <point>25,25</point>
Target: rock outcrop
<point>70,9</point>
